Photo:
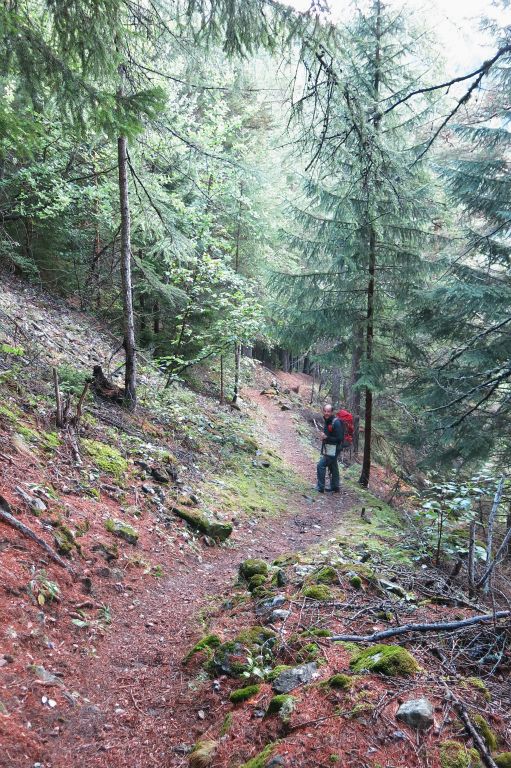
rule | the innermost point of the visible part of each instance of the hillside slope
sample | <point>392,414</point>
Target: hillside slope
<point>96,667</point>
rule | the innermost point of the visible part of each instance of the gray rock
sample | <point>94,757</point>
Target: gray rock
<point>279,615</point>
<point>275,762</point>
<point>417,713</point>
<point>270,604</point>
<point>290,679</point>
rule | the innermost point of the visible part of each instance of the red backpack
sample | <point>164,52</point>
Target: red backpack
<point>347,419</point>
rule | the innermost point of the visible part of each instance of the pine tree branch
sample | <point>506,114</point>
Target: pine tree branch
<point>480,71</point>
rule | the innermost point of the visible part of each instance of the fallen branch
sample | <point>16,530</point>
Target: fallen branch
<point>7,517</point>
<point>437,626</point>
<point>472,731</point>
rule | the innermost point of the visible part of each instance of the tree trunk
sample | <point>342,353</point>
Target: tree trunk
<point>130,374</point>
<point>222,399</point>
<point>156,318</point>
<point>354,398</point>
<point>366,462</point>
<point>285,361</point>
<point>237,361</point>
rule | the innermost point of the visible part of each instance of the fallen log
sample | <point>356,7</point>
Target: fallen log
<point>437,626</point>
<point>7,517</point>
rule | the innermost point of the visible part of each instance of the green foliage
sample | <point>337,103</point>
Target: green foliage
<point>344,682</point>
<point>456,755</point>
<point>260,760</point>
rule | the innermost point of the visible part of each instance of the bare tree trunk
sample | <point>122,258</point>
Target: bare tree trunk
<point>130,374</point>
<point>366,461</point>
<point>354,401</point>
<point>368,422</point>
<point>237,362</point>
<point>222,399</point>
<point>285,361</point>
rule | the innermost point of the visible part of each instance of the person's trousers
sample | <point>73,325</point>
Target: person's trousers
<point>324,463</point>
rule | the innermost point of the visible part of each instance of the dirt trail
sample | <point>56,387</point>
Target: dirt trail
<point>141,708</point>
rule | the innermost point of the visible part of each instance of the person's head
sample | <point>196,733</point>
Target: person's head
<point>328,411</point>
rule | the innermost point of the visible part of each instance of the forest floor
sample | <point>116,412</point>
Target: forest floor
<point>95,664</point>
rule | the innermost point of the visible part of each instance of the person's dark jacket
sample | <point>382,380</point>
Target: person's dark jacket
<point>334,431</point>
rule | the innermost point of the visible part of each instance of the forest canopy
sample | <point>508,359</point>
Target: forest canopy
<point>221,181</point>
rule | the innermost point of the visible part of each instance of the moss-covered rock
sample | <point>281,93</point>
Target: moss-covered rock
<point>355,581</point>
<point>283,705</point>
<point>65,540</point>
<point>317,592</point>
<point>308,652</point>
<point>486,732</point>
<point>106,457</point>
<point>231,658</point>
<point>391,660</point>
<point>122,530</point>
<point>216,529</point>
<point>257,580</point>
<point>260,760</point>
<point>255,636</point>
<point>207,643</point>
<point>276,671</point>
<point>253,567</point>
<point>326,575</point>
<point>503,759</point>
<point>242,694</point>
<point>456,755</point>
<point>344,682</point>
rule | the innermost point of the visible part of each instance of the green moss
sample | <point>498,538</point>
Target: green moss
<point>282,705</point>
<point>391,660</point>
<point>257,580</point>
<point>122,530</point>
<point>356,581</point>
<point>206,643</point>
<point>335,758</point>
<point>242,694</point>
<point>456,755</point>
<point>260,760</point>
<point>316,633</point>
<point>479,685</point>
<point>65,541</point>
<point>51,440</point>
<point>276,671</point>
<point>230,658</point>
<point>309,652</point>
<point>253,567</point>
<point>216,529</point>
<point>503,760</point>
<point>486,732</point>
<point>10,414</point>
<point>326,575</point>
<point>317,592</point>
<point>340,681</point>
<point>29,434</point>
<point>255,636</point>
<point>227,724</point>
<point>105,457</point>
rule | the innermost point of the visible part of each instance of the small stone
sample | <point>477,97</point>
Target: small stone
<point>52,703</point>
<point>399,735</point>
<point>417,713</point>
<point>201,714</point>
<point>275,762</point>
<point>290,679</point>
<point>280,615</point>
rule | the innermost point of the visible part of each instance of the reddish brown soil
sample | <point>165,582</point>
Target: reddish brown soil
<point>123,698</point>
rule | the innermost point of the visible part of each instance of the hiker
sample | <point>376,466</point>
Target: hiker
<point>332,440</point>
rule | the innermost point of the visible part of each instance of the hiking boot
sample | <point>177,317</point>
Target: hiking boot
<point>333,490</point>
<point>319,490</point>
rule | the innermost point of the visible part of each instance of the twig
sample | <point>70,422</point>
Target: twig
<point>438,626</point>
<point>7,517</point>
<point>59,415</point>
